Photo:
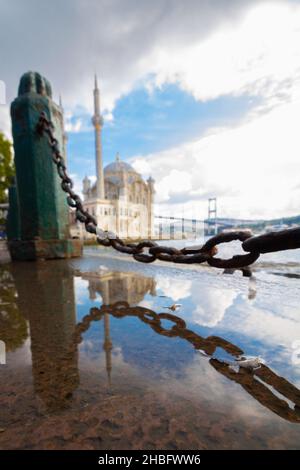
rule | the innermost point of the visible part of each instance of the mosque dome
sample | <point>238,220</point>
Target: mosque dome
<point>119,172</point>
<point>118,166</point>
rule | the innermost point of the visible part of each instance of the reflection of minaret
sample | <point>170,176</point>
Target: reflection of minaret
<point>65,135</point>
<point>98,123</point>
<point>107,346</point>
<point>114,287</point>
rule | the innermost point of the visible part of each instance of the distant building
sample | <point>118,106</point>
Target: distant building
<point>120,199</point>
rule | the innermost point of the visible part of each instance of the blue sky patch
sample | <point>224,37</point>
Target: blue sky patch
<point>146,122</point>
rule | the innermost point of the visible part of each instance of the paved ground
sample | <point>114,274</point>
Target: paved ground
<point>4,254</point>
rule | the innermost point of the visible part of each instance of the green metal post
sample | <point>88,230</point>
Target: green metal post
<point>13,216</point>
<point>44,216</point>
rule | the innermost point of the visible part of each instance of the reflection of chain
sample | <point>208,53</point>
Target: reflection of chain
<point>246,378</point>
<point>254,246</point>
<point>153,319</point>
<point>259,390</point>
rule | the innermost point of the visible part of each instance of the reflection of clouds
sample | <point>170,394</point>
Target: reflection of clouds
<point>87,345</point>
<point>147,304</point>
<point>201,380</point>
<point>175,288</point>
<point>98,361</point>
<point>210,304</point>
<point>81,290</point>
<point>224,402</point>
<point>267,325</point>
<point>82,293</point>
<point>209,398</point>
<point>267,320</point>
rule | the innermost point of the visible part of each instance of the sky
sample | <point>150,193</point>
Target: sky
<point>203,95</point>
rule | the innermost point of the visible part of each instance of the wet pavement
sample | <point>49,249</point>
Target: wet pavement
<point>96,359</point>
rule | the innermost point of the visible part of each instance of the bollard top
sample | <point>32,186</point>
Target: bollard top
<point>33,82</point>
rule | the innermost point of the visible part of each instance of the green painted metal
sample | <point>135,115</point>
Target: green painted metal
<point>43,209</point>
<point>13,217</point>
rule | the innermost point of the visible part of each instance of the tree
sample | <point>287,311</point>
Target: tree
<point>7,169</point>
<point>13,325</point>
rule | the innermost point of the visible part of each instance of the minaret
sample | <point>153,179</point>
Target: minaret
<point>107,346</point>
<point>98,123</point>
<point>151,192</point>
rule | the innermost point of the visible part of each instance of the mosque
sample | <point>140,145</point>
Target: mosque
<point>120,199</point>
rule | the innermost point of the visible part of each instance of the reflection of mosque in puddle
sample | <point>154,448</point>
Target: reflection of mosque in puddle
<point>269,389</point>
<point>119,286</point>
<point>113,287</point>
<point>55,336</point>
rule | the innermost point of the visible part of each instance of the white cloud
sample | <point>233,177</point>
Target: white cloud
<point>72,124</point>
<point>121,40</point>
<point>73,127</point>
<point>77,182</point>
<point>254,168</point>
<point>2,93</point>
<point>210,49</point>
<point>5,124</point>
<point>260,56</point>
<point>175,182</point>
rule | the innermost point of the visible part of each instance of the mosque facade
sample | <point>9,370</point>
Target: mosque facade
<point>120,199</point>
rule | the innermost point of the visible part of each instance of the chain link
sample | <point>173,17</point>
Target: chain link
<point>149,251</point>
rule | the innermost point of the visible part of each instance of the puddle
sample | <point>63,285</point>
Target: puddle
<point>105,353</point>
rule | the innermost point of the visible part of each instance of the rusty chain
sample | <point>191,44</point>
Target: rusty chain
<point>149,251</point>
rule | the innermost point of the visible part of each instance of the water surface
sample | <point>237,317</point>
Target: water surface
<point>80,375</point>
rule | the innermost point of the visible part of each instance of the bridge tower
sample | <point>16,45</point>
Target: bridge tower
<point>212,225</point>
